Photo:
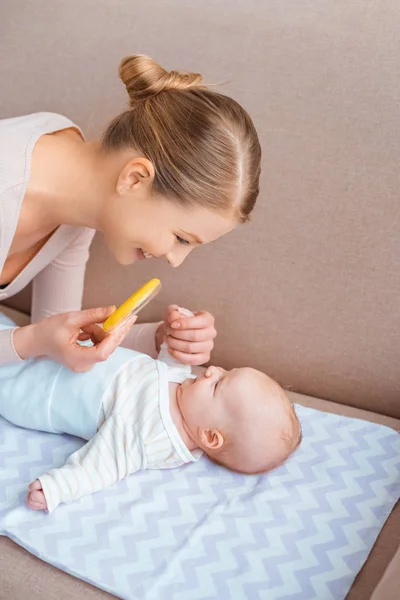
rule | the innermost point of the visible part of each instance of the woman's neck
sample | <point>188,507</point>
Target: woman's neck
<point>70,180</point>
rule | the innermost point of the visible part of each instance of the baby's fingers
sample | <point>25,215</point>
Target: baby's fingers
<point>35,485</point>
<point>36,500</point>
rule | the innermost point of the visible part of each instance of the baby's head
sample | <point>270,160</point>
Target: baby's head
<point>242,419</point>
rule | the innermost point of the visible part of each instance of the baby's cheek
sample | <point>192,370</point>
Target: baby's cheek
<point>193,397</point>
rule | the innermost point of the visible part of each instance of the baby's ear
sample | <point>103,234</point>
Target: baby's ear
<point>212,438</point>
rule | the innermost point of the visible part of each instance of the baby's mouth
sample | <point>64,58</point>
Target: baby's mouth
<point>146,254</point>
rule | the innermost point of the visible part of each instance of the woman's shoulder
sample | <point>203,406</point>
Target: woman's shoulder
<point>27,125</point>
<point>18,136</point>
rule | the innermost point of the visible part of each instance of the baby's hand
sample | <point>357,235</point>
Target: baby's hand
<point>190,339</point>
<point>36,498</point>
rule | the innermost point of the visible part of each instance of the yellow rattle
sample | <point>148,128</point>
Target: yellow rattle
<point>133,305</point>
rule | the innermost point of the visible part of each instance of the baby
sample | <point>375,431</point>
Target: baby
<point>141,413</point>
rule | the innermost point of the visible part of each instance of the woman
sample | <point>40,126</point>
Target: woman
<point>178,169</point>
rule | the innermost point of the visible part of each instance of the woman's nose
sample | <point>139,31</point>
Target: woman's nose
<point>178,255</point>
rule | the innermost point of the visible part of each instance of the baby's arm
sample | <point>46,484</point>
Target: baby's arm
<point>112,454</point>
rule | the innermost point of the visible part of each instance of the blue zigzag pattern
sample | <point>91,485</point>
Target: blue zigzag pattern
<point>201,532</point>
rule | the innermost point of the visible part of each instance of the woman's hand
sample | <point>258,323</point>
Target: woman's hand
<point>190,339</point>
<point>57,338</point>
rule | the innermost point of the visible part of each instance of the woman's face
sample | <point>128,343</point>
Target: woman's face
<point>145,226</point>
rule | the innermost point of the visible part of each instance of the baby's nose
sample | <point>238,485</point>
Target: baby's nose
<point>211,371</point>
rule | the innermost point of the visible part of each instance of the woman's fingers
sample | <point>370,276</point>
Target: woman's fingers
<point>56,337</point>
<point>189,347</point>
<point>198,328</point>
<point>83,358</point>
<point>84,337</point>
<point>95,333</point>
<point>90,316</point>
<point>193,335</point>
<point>201,320</point>
<point>173,311</point>
<point>190,339</point>
<point>190,359</point>
<point>104,345</point>
<point>120,332</point>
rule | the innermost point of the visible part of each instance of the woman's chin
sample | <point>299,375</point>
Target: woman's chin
<point>128,258</point>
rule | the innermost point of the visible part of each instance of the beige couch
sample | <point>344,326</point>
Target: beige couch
<point>309,292</point>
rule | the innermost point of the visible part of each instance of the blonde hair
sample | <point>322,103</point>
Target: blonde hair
<point>203,145</point>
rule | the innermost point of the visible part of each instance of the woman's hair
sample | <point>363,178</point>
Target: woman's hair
<point>203,145</point>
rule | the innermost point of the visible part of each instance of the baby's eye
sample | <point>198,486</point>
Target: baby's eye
<point>182,241</point>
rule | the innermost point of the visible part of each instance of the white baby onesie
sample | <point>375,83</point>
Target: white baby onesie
<point>135,432</point>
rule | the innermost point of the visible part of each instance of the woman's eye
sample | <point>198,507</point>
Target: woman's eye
<point>182,241</point>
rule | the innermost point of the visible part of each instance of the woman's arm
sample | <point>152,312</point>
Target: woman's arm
<point>58,288</point>
<point>8,354</point>
<point>56,317</point>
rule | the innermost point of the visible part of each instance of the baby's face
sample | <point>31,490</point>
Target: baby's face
<point>204,402</point>
<point>242,410</point>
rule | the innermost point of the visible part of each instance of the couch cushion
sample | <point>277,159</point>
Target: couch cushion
<point>388,587</point>
<point>17,316</point>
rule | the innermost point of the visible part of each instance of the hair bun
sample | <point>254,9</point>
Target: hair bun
<point>143,78</point>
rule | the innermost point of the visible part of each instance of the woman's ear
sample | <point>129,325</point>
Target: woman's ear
<point>137,172</point>
<point>211,438</point>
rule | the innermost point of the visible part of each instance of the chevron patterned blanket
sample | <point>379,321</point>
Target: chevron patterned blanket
<point>201,532</point>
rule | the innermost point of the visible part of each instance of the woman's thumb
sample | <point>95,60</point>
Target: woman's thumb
<point>93,315</point>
